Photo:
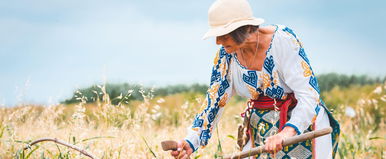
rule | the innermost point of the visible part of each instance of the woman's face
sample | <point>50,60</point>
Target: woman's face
<point>228,43</point>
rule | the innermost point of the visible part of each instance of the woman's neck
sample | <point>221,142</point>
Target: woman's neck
<point>255,44</point>
<point>252,52</point>
<point>262,38</point>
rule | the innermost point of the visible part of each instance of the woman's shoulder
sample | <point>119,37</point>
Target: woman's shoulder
<point>286,42</point>
<point>285,29</point>
<point>268,29</point>
<point>278,31</point>
<point>272,28</point>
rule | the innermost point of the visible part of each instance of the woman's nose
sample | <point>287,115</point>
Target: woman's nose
<point>218,42</point>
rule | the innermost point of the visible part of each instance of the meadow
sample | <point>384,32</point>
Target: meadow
<point>135,129</point>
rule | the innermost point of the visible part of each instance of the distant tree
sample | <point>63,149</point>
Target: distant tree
<point>331,80</point>
<point>124,93</point>
<point>173,89</point>
<point>96,92</point>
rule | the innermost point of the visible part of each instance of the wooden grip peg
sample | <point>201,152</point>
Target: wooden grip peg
<point>169,145</point>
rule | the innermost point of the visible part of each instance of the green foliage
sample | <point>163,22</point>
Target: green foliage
<point>124,93</point>
<point>97,93</point>
<point>331,80</point>
<point>174,89</point>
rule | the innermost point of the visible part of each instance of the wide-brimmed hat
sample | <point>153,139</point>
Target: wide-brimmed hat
<point>224,16</point>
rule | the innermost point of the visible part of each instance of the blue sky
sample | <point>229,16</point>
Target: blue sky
<point>50,48</point>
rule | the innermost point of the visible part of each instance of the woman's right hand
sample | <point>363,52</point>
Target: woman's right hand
<point>183,151</point>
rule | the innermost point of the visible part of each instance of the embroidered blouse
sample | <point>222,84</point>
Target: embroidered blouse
<point>286,69</point>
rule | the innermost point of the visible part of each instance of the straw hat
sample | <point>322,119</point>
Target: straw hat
<point>224,16</point>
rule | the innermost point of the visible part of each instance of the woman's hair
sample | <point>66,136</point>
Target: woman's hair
<point>240,34</point>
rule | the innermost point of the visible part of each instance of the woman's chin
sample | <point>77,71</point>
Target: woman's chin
<point>229,50</point>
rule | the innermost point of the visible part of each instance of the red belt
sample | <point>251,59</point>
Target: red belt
<point>267,103</point>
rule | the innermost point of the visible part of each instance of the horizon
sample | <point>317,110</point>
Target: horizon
<point>152,85</point>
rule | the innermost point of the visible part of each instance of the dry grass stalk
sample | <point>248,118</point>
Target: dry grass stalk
<point>84,152</point>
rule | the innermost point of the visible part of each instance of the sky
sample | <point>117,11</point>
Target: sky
<point>49,48</point>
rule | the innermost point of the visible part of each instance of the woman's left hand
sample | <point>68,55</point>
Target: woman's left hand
<point>274,143</point>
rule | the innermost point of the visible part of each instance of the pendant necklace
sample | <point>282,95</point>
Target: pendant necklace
<point>248,64</point>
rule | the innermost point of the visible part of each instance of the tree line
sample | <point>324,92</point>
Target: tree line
<point>124,93</point>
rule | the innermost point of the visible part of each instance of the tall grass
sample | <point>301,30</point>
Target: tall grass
<point>361,112</point>
<point>136,130</point>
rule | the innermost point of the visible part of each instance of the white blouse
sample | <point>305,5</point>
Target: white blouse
<point>286,70</point>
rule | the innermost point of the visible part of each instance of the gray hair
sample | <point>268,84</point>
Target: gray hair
<point>240,34</point>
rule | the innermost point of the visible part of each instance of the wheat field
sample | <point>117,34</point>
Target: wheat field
<point>135,130</point>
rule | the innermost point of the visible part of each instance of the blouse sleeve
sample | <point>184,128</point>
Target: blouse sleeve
<point>297,74</point>
<point>218,94</point>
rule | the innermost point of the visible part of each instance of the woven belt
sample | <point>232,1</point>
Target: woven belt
<point>267,103</point>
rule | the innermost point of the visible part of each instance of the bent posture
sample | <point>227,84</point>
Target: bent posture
<point>269,66</point>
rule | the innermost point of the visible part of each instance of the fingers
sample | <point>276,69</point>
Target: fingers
<point>273,144</point>
<point>179,154</point>
<point>182,154</point>
<point>183,150</point>
<point>175,153</point>
<point>188,149</point>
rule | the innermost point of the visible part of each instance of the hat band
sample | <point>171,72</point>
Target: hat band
<point>234,21</point>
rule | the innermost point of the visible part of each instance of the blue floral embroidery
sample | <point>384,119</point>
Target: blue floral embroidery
<point>209,103</point>
<point>273,92</point>
<point>269,64</point>
<point>251,78</point>
<point>317,109</point>
<point>212,107</point>
<point>197,122</point>
<point>212,114</point>
<point>314,83</point>
<point>286,29</point>
<point>259,90</point>
<point>205,135</point>
<point>224,85</point>
<point>222,52</point>
<point>304,56</point>
<point>228,58</point>
<point>215,76</point>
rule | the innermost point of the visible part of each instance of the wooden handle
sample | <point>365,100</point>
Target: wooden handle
<point>288,141</point>
<point>306,136</point>
<point>169,145</point>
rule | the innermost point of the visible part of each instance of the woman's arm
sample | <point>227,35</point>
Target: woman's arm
<point>218,94</point>
<point>294,67</point>
<point>298,75</point>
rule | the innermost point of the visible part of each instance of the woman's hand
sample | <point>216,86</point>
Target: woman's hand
<point>274,143</point>
<point>184,150</point>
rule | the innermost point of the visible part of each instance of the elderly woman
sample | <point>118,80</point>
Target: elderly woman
<point>269,66</point>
